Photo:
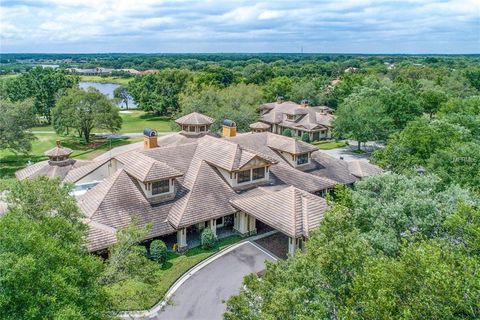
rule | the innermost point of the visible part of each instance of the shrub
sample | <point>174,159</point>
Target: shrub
<point>208,239</point>
<point>305,137</point>
<point>287,133</point>
<point>158,251</point>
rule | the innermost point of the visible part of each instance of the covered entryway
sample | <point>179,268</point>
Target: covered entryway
<point>291,211</point>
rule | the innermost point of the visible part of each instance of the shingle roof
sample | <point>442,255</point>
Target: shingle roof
<point>117,200</point>
<point>331,168</point>
<point>312,118</point>
<point>285,174</point>
<point>44,168</point>
<point>58,151</point>
<point>195,118</point>
<point>362,168</point>
<point>292,146</point>
<point>290,210</point>
<point>259,125</point>
<point>206,198</point>
<point>145,168</point>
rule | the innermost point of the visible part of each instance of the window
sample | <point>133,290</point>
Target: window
<point>159,187</point>
<point>302,158</point>
<point>203,128</point>
<point>290,117</point>
<point>219,221</point>
<point>243,176</point>
<point>191,128</point>
<point>258,173</point>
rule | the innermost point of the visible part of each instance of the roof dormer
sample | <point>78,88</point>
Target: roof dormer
<point>195,123</point>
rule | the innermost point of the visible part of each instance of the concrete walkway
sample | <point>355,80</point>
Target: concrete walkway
<point>202,292</point>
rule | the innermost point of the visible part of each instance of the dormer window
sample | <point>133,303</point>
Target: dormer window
<point>159,187</point>
<point>290,117</point>
<point>302,159</point>
<point>243,176</point>
<point>258,173</point>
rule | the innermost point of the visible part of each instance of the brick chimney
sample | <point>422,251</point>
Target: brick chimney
<point>149,138</point>
<point>304,103</point>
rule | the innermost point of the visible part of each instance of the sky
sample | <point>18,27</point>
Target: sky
<point>323,26</point>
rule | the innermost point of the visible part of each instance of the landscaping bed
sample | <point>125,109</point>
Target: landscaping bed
<point>132,295</point>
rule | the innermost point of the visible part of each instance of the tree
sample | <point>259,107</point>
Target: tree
<point>287,132</point>
<point>129,274</point>
<point>121,93</point>
<point>429,280</point>
<point>15,120</point>
<point>400,104</point>
<point>238,102</point>
<point>458,163</point>
<point>390,208</point>
<point>45,269</point>
<point>278,87</point>
<point>44,85</point>
<point>305,137</point>
<point>418,142</point>
<point>159,92</point>
<point>473,76</point>
<point>158,251</point>
<point>208,239</point>
<point>85,110</point>
<point>362,117</point>
<point>431,99</point>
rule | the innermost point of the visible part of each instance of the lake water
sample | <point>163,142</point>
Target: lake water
<point>107,89</point>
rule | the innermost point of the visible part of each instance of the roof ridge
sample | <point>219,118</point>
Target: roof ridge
<point>110,180</point>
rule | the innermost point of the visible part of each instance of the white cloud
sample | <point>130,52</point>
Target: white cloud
<point>152,25</point>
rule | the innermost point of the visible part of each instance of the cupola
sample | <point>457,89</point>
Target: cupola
<point>195,123</point>
<point>59,156</point>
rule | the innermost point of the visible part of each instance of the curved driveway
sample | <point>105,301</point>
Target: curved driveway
<point>203,295</point>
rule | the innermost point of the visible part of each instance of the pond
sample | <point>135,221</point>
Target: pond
<point>107,89</point>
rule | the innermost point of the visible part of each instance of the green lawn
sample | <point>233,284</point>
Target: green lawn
<point>110,79</point>
<point>128,296</point>
<point>136,121</point>
<point>133,121</point>
<point>328,145</point>
<point>11,162</point>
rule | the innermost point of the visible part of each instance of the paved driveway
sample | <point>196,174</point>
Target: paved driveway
<point>202,296</point>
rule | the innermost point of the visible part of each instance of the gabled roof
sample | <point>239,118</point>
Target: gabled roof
<point>228,155</point>
<point>194,118</point>
<point>145,168</point>
<point>290,210</point>
<point>289,145</point>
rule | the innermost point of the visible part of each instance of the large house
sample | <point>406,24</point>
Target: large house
<point>299,118</point>
<point>195,179</point>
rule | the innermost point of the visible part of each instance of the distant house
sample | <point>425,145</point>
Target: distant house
<point>299,118</point>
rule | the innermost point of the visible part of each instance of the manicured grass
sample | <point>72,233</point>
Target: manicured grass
<point>11,162</point>
<point>133,121</point>
<point>137,120</point>
<point>118,80</point>
<point>328,145</point>
<point>176,265</point>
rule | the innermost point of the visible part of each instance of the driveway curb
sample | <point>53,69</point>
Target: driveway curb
<point>146,314</point>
